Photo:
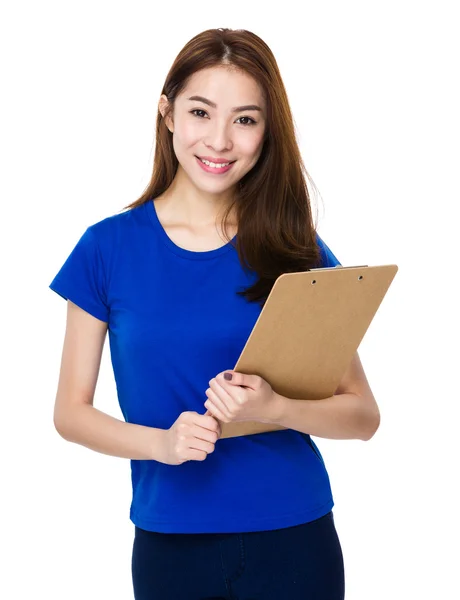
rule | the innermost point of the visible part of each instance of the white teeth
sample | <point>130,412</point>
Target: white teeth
<point>215,165</point>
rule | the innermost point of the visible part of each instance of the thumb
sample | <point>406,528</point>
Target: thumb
<point>219,429</point>
<point>241,379</point>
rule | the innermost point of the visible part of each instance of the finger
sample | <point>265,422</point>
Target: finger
<point>219,426</point>
<point>239,379</point>
<point>203,434</point>
<point>215,411</point>
<point>233,392</point>
<point>218,403</point>
<point>226,393</point>
<point>208,423</point>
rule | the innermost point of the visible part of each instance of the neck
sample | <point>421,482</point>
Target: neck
<point>196,207</point>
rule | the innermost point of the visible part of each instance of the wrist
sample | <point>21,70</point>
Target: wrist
<point>157,444</point>
<point>278,408</point>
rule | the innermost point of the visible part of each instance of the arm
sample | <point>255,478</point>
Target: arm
<point>351,413</point>
<point>75,417</point>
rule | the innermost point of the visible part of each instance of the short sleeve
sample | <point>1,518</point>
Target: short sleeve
<point>328,259</point>
<point>81,278</point>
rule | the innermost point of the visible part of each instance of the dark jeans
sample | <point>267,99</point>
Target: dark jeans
<point>304,562</point>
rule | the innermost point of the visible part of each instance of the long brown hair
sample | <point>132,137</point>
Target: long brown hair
<point>275,230</point>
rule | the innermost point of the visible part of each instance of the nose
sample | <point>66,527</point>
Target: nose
<point>219,137</point>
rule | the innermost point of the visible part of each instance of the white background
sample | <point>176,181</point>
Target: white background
<point>374,92</point>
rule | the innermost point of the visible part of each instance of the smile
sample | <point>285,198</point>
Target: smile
<point>207,166</point>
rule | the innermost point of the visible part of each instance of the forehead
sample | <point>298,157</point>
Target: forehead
<point>225,86</point>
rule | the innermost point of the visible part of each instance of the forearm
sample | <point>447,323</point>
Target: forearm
<point>340,417</point>
<point>90,427</point>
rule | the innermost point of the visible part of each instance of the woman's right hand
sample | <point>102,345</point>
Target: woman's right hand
<point>191,437</point>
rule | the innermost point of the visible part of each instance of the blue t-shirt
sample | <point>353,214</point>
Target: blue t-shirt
<point>174,323</point>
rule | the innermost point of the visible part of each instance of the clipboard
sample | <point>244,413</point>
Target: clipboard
<point>308,332</point>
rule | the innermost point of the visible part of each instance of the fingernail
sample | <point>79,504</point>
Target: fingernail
<point>228,376</point>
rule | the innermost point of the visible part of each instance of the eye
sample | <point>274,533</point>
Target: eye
<point>251,123</point>
<point>197,110</point>
<point>200,110</point>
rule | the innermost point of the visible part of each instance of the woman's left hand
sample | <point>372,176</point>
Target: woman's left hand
<point>243,398</point>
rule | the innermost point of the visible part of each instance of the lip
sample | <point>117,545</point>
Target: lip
<point>213,170</point>
<point>216,161</point>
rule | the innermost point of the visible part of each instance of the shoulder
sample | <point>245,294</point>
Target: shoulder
<point>113,230</point>
<point>105,241</point>
<point>110,225</point>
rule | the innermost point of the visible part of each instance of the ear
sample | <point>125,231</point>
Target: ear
<point>162,106</point>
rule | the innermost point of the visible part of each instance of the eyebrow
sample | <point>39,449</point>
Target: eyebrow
<point>235,109</point>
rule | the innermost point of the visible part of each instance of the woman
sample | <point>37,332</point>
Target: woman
<point>246,517</point>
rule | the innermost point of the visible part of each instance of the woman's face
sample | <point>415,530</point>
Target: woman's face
<point>217,126</point>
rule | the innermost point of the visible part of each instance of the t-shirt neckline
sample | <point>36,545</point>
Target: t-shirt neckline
<point>183,252</point>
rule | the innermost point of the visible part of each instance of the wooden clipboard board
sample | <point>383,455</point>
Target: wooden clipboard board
<point>308,332</point>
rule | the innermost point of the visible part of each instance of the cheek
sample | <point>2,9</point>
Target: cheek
<point>252,149</point>
<point>187,134</point>
<point>251,145</point>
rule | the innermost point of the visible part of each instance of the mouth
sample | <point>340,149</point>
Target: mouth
<point>218,162</point>
<point>215,170</point>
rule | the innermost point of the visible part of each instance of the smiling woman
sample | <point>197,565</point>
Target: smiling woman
<point>251,515</point>
<point>224,101</point>
<point>220,125</point>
